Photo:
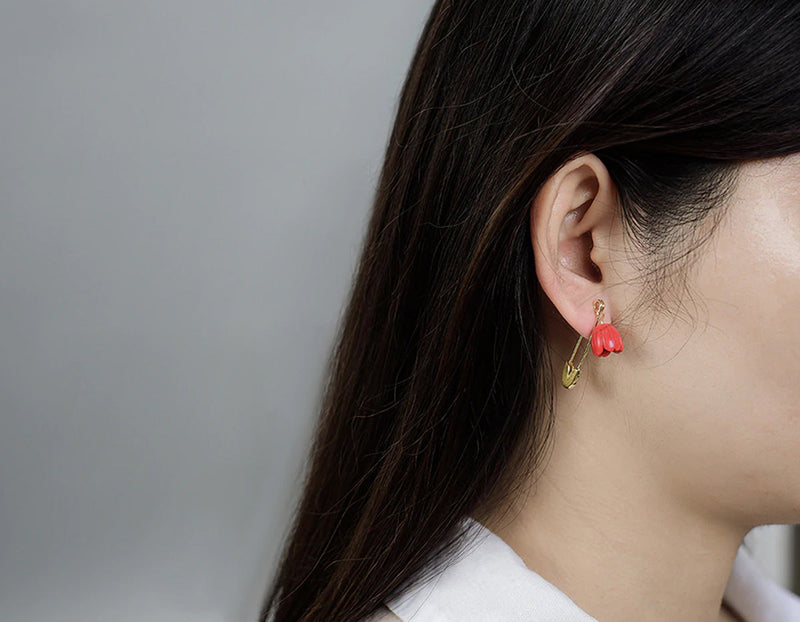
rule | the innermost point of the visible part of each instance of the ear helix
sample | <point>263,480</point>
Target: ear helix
<point>604,340</point>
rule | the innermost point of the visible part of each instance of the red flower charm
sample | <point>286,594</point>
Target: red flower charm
<point>605,340</point>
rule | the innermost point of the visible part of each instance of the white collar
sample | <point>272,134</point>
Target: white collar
<point>489,582</point>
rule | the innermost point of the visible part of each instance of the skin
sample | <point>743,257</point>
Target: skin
<point>664,456</point>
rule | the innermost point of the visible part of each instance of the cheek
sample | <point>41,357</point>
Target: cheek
<point>754,298</point>
<point>730,434</point>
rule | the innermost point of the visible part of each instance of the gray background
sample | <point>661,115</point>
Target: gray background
<point>184,186</point>
<point>183,190</point>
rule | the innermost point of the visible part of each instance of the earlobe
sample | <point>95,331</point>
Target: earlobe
<point>570,223</point>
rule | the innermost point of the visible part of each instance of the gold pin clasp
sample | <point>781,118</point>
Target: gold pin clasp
<point>571,372</point>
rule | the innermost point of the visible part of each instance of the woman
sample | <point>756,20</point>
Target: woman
<point>549,158</point>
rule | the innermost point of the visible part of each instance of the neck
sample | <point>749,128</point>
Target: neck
<point>601,525</point>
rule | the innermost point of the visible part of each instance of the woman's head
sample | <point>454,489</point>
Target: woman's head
<point>701,409</point>
<point>544,154</point>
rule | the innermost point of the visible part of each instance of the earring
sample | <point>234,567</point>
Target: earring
<point>605,339</point>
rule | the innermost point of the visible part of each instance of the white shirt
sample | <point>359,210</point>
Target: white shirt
<point>489,582</point>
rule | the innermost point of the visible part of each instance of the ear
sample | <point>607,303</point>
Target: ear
<point>570,221</point>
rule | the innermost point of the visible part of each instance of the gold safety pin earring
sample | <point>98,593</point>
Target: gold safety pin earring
<point>610,341</point>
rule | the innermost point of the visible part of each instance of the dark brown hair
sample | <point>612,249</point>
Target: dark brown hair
<point>439,387</point>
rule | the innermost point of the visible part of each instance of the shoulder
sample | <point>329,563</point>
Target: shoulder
<point>382,614</point>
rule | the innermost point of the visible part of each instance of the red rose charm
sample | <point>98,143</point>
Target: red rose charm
<point>605,340</point>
